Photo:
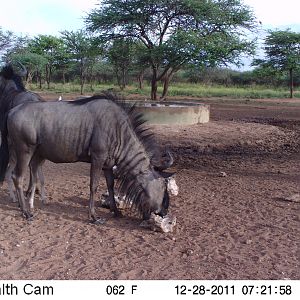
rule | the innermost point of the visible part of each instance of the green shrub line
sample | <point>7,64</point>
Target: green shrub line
<point>176,90</point>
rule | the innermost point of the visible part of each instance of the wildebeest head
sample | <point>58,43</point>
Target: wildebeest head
<point>10,78</point>
<point>155,194</point>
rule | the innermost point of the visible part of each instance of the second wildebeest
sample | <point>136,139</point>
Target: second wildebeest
<point>12,94</point>
<point>97,131</point>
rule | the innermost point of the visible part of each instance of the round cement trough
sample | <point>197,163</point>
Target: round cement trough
<point>174,112</point>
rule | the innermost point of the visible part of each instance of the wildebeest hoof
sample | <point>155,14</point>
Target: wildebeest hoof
<point>28,216</point>
<point>29,219</point>
<point>99,221</point>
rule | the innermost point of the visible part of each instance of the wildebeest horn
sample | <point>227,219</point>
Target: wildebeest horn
<point>165,163</point>
<point>23,69</point>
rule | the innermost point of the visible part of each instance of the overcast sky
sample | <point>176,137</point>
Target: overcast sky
<point>276,13</point>
<point>52,16</point>
<point>44,16</point>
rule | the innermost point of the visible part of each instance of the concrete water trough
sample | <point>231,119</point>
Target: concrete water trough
<point>170,113</point>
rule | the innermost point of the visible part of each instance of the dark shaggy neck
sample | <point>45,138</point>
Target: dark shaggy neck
<point>131,155</point>
<point>133,163</point>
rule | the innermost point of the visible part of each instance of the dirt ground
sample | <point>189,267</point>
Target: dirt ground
<point>238,208</point>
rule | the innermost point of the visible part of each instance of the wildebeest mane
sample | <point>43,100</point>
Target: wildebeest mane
<point>85,100</point>
<point>136,119</point>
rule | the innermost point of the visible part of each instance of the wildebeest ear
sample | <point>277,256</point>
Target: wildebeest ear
<point>166,174</point>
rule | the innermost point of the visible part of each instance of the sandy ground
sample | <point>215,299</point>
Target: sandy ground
<point>237,211</point>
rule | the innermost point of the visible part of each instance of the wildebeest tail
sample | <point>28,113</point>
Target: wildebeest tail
<point>4,154</point>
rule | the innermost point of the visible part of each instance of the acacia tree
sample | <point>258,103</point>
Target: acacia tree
<point>49,47</point>
<point>83,49</point>
<point>6,39</point>
<point>11,43</point>
<point>35,64</point>
<point>282,49</point>
<point>120,55</point>
<point>175,32</point>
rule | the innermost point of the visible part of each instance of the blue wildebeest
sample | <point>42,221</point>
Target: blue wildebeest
<point>12,94</point>
<point>93,130</point>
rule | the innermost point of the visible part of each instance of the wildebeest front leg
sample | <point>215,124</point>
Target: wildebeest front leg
<point>95,173</point>
<point>110,181</point>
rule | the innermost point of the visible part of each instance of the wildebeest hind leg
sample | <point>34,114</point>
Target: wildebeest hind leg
<point>109,176</point>
<point>23,159</point>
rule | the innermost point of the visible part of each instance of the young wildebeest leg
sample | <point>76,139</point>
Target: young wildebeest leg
<point>23,159</point>
<point>8,175</point>
<point>95,173</point>
<point>42,183</point>
<point>35,165</point>
<point>109,176</point>
<point>29,189</point>
<point>11,186</point>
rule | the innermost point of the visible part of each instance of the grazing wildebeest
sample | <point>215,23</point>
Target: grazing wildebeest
<point>93,130</point>
<point>13,93</point>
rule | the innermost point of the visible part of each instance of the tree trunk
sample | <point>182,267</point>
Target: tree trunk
<point>82,80</point>
<point>167,80</point>
<point>48,75</point>
<point>141,79</point>
<point>64,76</point>
<point>81,87</point>
<point>40,79</point>
<point>28,78</point>
<point>154,84</point>
<point>82,76</point>
<point>37,78</point>
<point>119,78</point>
<point>124,81</point>
<point>291,83</point>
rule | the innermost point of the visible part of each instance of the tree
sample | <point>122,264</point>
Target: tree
<point>120,55</point>
<point>50,48</point>
<point>10,43</point>
<point>282,49</point>
<point>6,39</point>
<point>84,50</point>
<point>34,63</point>
<point>175,32</point>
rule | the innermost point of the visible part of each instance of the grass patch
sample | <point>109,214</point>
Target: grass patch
<point>207,91</point>
<point>70,88</point>
<point>176,89</point>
